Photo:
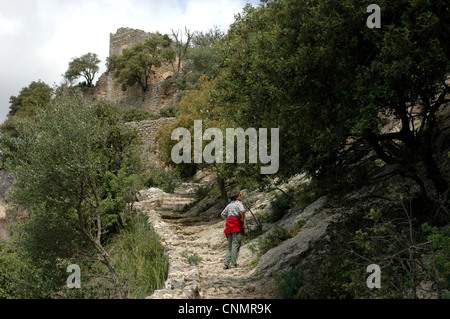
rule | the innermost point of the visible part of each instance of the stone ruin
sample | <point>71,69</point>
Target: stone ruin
<point>162,87</point>
<point>161,92</point>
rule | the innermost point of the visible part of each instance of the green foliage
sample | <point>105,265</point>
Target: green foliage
<point>273,239</point>
<point>133,114</point>
<point>193,259</point>
<point>134,65</point>
<point>372,236</point>
<point>320,75</point>
<point>139,258</point>
<point>19,279</point>
<point>280,206</point>
<point>171,110</point>
<point>287,283</point>
<point>203,58</point>
<point>165,178</point>
<point>249,182</point>
<point>195,105</point>
<point>440,241</point>
<point>73,164</point>
<point>85,66</point>
<point>30,100</point>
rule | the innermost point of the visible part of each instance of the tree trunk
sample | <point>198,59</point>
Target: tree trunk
<point>106,260</point>
<point>223,191</point>
<point>432,169</point>
<point>109,264</point>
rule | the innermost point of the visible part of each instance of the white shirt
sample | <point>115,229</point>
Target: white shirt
<point>233,209</point>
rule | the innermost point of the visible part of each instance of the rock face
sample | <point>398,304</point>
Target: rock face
<point>161,90</point>
<point>3,223</point>
<point>7,216</point>
<point>290,253</point>
<point>5,188</point>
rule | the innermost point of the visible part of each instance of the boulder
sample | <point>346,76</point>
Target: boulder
<point>290,253</point>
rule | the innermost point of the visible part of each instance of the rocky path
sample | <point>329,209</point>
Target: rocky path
<point>196,251</point>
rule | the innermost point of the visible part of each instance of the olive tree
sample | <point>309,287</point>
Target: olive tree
<point>85,66</point>
<point>73,162</point>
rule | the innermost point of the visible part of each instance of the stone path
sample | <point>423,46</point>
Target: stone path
<point>196,251</point>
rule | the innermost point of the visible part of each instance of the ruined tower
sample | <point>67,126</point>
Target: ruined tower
<point>161,88</point>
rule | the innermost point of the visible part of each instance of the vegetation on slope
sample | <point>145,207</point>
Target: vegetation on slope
<point>314,70</point>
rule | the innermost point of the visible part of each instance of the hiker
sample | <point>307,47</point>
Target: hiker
<point>234,215</point>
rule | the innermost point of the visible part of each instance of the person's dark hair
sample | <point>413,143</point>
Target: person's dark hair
<point>234,195</point>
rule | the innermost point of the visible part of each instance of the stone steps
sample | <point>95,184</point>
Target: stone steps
<point>175,202</point>
<point>182,237</point>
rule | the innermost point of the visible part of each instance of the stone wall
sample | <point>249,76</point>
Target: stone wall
<point>125,38</point>
<point>147,130</point>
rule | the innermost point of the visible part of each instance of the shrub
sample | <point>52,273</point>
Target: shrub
<point>139,258</point>
<point>287,283</point>
<point>165,178</point>
<point>271,240</point>
<point>133,114</point>
<point>171,110</point>
<point>280,206</point>
<point>193,259</point>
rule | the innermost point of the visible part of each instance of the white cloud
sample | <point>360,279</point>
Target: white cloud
<point>39,38</point>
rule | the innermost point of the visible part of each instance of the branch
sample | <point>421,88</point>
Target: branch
<point>390,136</point>
<point>96,213</point>
<point>372,140</point>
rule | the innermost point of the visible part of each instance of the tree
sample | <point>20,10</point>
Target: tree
<point>35,96</point>
<point>73,163</point>
<point>134,65</point>
<point>31,99</point>
<point>329,83</point>
<point>198,104</point>
<point>85,66</point>
<point>204,57</point>
<point>181,47</point>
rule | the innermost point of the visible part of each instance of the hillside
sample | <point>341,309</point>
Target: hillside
<point>306,237</point>
<point>334,134</point>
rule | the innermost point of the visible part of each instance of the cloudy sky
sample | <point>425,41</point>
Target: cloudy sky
<point>38,38</point>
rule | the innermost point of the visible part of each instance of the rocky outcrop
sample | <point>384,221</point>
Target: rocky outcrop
<point>289,254</point>
<point>8,212</point>
<point>159,94</point>
<point>3,223</point>
<point>5,189</point>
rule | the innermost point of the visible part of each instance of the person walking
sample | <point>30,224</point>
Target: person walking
<point>234,215</point>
